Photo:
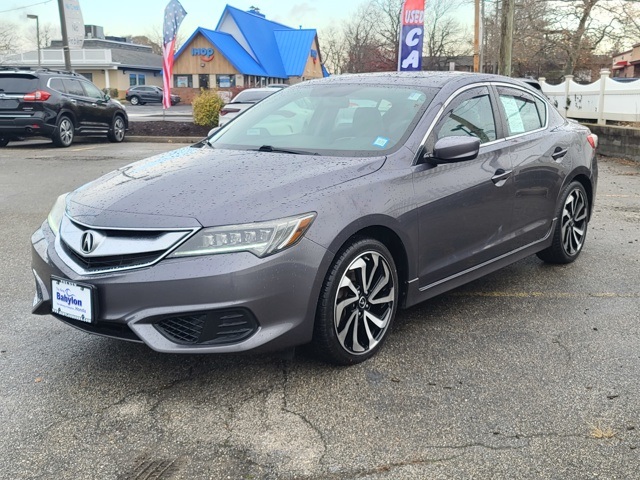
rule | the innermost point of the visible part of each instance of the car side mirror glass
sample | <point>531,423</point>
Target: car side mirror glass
<point>106,97</point>
<point>213,131</point>
<point>454,149</point>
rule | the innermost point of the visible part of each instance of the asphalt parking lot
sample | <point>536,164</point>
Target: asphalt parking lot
<point>531,372</point>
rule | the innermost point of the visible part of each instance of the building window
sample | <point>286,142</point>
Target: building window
<point>137,79</point>
<point>183,81</point>
<point>203,80</point>
<point>225,81</point>
<point>87,75</point>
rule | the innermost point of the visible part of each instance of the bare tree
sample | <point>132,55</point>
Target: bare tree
<point>144,40</point>
<point>579,27</point>
<point>334,50</point>
<point>445,38</point>
<point>388,29</point>
<point>363,46</point>
<point>7,39</point>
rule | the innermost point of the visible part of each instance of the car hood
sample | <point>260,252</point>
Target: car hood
<point>191,186</point>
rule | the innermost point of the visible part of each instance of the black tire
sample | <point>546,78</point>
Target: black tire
<point>361,288</point>
<point>64,133</point>
<point>134,100</point>
<point>4,141</point>
<point>117,131</point>
<point>570,231</point>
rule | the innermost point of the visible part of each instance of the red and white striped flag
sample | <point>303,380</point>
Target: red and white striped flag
<point>173,16</point>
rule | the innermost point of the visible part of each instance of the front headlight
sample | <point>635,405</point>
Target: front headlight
<point>56,213</point>
<point>261,239</point>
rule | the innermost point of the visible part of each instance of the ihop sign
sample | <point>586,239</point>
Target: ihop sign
<point>205,54</point>
<point>411,36</point>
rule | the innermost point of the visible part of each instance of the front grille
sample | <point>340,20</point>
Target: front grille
<point>113,261</point>
<point>218,327</point>
<point>111,249</point>
<point>185,329</point>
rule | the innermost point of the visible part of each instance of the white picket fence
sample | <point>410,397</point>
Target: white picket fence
<point>605,99</point>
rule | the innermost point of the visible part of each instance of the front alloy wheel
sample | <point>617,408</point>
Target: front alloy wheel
<point>358,303</point>
<point>116,134</point>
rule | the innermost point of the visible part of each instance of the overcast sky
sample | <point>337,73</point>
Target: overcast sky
<point>137,17</point>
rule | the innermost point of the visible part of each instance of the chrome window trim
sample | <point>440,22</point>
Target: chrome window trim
<point>463,89</point>
<point>191,231</point>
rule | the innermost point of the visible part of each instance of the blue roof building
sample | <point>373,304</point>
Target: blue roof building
<point>247,50</point>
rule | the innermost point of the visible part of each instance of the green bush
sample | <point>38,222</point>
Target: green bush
<point>206,108</point>
<point>112,92</point>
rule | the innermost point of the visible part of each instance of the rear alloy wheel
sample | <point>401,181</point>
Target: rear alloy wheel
<point>134,100</point>
<point>357,304</point>
<point>64,133</point>
<point>117,130</point>
<point>4,141</point>
<point>571,228</point>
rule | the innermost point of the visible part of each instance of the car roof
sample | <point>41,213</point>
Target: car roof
<point>40,71</point>
<point>421,79</point>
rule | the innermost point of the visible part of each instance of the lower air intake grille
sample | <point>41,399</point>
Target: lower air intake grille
<point>217,327</point>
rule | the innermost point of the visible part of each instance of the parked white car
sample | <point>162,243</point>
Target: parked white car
<point>245,99</point>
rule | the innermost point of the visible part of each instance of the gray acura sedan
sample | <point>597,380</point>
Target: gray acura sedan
<point>317,214</point>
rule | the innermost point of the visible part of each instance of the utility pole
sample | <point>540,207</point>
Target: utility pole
<point>483,37</point>
<point>506,37</point>
<point>476,38</point>
<point>65,38</point>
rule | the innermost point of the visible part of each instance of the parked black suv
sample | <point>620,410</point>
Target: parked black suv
<point>148,94</point>
<point>58,105</point>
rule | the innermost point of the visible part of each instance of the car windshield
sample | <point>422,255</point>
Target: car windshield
<point>329,119</point>
<point>252,96</point>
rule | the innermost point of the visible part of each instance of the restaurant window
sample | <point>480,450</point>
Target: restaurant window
<point>183,81</point>
<point>225,81</point>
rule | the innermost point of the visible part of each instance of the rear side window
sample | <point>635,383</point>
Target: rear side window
<point>18,84</point>
<point>73,87</point>
<point>56,84</point>
<point>523,111</point>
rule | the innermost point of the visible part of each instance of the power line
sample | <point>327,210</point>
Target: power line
<point>26,6</point>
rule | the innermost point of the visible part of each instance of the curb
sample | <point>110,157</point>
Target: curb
<point>141,139</point>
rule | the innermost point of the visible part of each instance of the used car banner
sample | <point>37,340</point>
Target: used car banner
<point>411,36</point>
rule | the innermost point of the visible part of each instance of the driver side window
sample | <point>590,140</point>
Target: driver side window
<point>471,116</point>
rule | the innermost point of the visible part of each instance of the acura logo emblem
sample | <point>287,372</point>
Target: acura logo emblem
<point>88,242</point>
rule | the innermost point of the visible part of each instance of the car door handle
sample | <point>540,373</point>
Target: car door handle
<point>501,176</point>
<point>558,153</point>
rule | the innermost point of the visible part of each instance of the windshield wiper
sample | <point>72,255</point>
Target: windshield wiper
<point>269,148</point>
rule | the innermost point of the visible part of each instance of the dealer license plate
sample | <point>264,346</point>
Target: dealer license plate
<point>72,300</point>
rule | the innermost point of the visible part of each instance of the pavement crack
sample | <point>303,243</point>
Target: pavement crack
<point>285,408</point>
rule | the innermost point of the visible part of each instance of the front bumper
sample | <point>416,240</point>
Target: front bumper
<point>277,295</point>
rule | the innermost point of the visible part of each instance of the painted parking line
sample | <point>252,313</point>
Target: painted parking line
<point>545,295</point>
<point>80,149</point>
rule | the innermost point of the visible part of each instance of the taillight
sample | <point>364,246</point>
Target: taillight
<point>592,138</point>
<point>37,96</point>
<point>224,111</point>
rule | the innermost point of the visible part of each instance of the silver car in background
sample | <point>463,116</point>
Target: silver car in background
<point>243,100</point>
<point>317,214</point>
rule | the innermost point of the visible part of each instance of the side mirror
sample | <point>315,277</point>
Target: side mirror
<point>213,131</point>
<point>454,149</point>
<point>106,97</point>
